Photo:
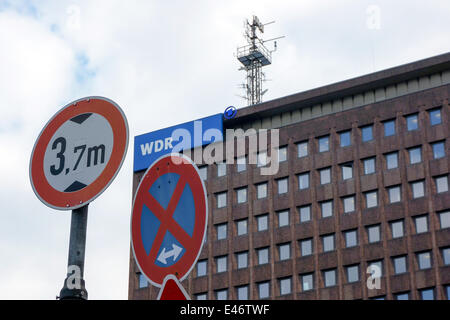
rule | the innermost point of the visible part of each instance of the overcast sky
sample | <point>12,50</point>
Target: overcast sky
<point>163,62</point>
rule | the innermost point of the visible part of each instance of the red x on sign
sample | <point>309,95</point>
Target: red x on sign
<point>169,218</point>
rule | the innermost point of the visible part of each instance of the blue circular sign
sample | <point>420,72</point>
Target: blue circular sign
<point>230,112</point>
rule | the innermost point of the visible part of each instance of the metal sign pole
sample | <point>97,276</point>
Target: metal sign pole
<point>74,288</point>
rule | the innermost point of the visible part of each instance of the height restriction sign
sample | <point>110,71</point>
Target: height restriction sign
<point>78,153</point>
<point>169,218</point>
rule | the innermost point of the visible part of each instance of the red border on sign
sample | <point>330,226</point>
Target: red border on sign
<point>192,245</point>
<point>72,200</point>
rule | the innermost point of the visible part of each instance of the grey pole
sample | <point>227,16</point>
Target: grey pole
<point>74,288</point>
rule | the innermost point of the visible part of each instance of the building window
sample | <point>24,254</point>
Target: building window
<point>142,281</point>
<point>261,190</point>
<point>242,227</point>
<point>285,285</point>
<point>263,289</point>
<point>351,238</point>
<point>412,122</point>
<point>328,243</point>
<point>202,267</point>
<point>221,199</point>
<point>444,219</point>
<point>369,165</point>
<point>446,256</point>
<point>261,159</point>
<point>324,144</point>
<point>221,264</point>
<point>352,273</point>
<point>242,259</point>
<point>201,296</point>
<point>345,138</point>
<point>330,277</point>
<point>242,292</point>
<point>325,175</point>
<point>371,199</point>
<point>435,116</point>
<point>376,268</point>
<point>221,169</point>
<point>438,149</point>
<point>399,264</point>
<point>305,213</point>
<point>241,195</point>
<point>203,171</point>
<point>367,133</point>
<point>263,255</point>
<point>402,296</point>
<point>418,189</point>
<point>349,204</point>
<point>221,294</point>
<point>282,154</point>
<point>421,223</point>
<point>283,218</point>
<point>284,251</point>
<point>241,164</point>
<point>221,230</point>
<point>373,233</point>
<point>447,291</point>
<point>427,294</point>
<point>415,155</point>
<point>347,171</point>
<point>394,194</point>
<point>263,222</point>
<point>302,149</point>
<point>389,128</point>
<point>392,160</point>
<point>397,229</point>
<point>326,208</point>
<point>303,181</point>
<point>424,260</point>
<point>307,282</point>
<point>282,185</point>
<point>441,184</point>
<point>306,247</point>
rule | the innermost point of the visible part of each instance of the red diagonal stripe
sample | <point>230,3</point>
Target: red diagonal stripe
<point>166,220</point>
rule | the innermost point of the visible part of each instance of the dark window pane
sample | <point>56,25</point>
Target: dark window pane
<point>412,122</point>
<point>392,160</point>
<point>367,133</point>
<point>324,144</point>
<point>435,117</point>
<point>345,138</point>
<point>438,150</point>
<point>389,128</point>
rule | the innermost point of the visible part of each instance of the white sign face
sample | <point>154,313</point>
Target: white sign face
<point>78,152</point>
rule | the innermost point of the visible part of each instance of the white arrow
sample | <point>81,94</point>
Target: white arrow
<point>175,252</point>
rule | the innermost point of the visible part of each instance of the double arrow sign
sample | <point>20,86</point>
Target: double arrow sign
<point>175,252</point>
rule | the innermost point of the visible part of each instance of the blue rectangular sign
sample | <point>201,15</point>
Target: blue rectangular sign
<point>150,146</point>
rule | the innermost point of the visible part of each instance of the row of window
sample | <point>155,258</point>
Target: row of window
<point>371,197</point>
<point>306,249</point>
<point>414,155</point>
<point>323,143</point>
<point>307,283</point>
<point>262,224</point>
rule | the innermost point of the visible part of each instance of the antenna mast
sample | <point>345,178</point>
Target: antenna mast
<point>253,57</point>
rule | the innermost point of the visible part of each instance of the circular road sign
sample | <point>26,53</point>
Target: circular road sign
<point>78,153</point>
<point>169,218</point>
